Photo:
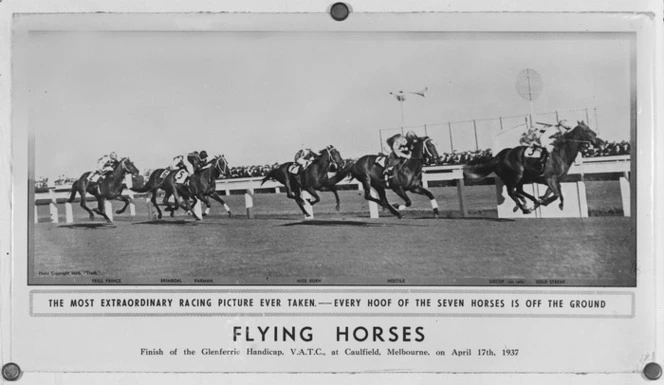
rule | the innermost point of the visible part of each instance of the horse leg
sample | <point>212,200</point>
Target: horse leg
<point>82,193</point>
<point>522,194</point>
<point>314,194</point>
<point>126,203</point>
<point>101,201</point>
<point>336,198</point>
<point>554,187</point>
<point>153,199</point>
<point>216,197</point>
<point>402,194</point>
<point>383,201</point>
<point>290,193</point>
<point>511,191</point>
<point>434,204</point>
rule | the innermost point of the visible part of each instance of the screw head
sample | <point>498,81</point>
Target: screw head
<point>339,11</point>
<point>11,371</point>
<point>652,371</point>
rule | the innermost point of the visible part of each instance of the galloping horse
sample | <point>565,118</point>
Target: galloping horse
<point>315,177</point>
<point>514,169</point>
<point>108,188</point>
<point>158,178</point>
<point>203,184</point>
<point>155,181</point>
<point>407,176</point>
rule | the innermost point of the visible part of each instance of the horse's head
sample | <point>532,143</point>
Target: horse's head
<point>127,166</point>
<point>333,156</point>
<point>583,133</point>
<point>424,148</point>
<point>221,165</point>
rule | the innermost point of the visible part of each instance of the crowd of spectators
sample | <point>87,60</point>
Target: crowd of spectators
<point>609,149</point>
<point>453,158</point>
<point>465,157</point>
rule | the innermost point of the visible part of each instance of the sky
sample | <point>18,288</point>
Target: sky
<point>257,97</point>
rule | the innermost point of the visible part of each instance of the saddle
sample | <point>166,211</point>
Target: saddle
<point>381,160</point>
<point>535,159</point>
<point>296,168</point>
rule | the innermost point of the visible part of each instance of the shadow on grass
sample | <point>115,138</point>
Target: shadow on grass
<point>176,222</point>
<point>89,226</point>
<point>376,223</point>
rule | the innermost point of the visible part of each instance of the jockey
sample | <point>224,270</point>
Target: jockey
<point>304,158</point>
<point>400,151</point>
<point>196,160</point>
<point>182,166</point>
<point>549,135</point>
<point>105,165</point>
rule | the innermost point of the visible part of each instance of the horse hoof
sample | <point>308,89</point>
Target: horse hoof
<point>400,216</point>
<point>515,209</point>
<point>92,217</point>
<point>230,214</point>
<point>337,208</point>
<point>119,211</point>
<point>159,216</point>
<point>205,214</point>
<point>527,211</point>
<point>561,206</point>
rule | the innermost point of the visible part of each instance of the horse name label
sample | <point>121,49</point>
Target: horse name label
<point>346,302</point>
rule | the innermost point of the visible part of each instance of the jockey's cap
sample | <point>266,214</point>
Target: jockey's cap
<point>203,154</point>
<point>411,135</point>
<point>113,155</point>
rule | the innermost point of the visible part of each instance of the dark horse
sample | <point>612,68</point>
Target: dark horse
<point>407,175</point>
<point>315,177</point>
<point>200,183</point>
<point>203,184</point>
<point>515,169</point>
<point>108,188</point>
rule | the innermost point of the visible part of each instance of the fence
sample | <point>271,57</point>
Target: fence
<point>247,186</point>
<point>478,134</point>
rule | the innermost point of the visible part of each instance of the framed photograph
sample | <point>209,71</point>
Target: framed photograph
<point>331,194</point>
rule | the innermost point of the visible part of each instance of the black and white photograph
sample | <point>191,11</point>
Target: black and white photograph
<point>368,158</point>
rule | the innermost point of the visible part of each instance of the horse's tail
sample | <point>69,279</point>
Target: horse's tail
<point>480,171</point>
<point>146,187</point>
<point>272,174</point>
<point>74,190</point>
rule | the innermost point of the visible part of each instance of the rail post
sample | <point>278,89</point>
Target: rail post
<point>69,213</point>
<point>625,194</point>
<point>373,206</point>
<point>462,199</point>
<point>108,209</point>
<point>249,203</point>
<point>53,205</point>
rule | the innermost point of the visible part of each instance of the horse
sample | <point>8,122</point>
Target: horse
<point>158,179</point>
<point>202,184</point>
<point>515,169</point>
<point>407,176</point>
<point>155,181</point>
<point>313,178</point>
<point>110,187</point>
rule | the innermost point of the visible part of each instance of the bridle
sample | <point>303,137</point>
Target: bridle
<point>224,170</point>
<point>332,161</point>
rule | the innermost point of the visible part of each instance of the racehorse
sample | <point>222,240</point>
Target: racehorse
<point>110,187</point>
<point>407,176</point>
<point>202,184</point>
<point>315,177</point>
<point>164,177</point>
<point>515,169</point>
